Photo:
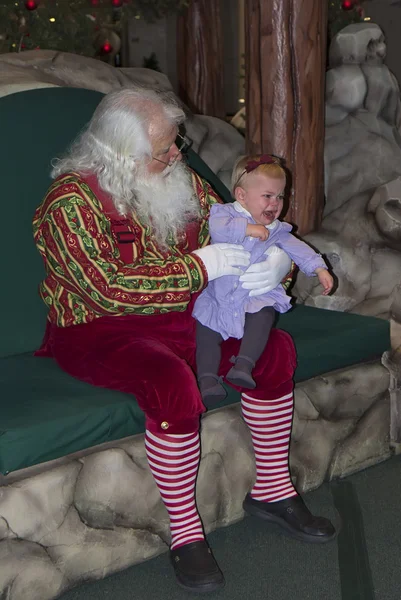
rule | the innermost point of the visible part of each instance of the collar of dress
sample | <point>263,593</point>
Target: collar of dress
<point>239,208</point>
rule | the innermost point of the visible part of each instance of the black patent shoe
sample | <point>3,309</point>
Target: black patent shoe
<point>195,568</point>
<point>292,515</point>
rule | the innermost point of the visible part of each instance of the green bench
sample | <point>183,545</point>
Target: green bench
<point>45,413</point>
<point>59,437</point>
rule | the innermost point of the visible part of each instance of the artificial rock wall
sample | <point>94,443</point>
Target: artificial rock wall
<point>102,512</point>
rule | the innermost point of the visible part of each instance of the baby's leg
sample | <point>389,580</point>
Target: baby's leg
<point>208,355</point>
<point>256,333</point>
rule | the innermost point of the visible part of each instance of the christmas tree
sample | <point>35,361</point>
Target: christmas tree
<point>343,13</point>
<point>73,25</point>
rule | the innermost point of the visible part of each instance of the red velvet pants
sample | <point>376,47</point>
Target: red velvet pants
<point>153,358</point>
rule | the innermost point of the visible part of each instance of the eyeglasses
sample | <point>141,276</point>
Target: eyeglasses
<point>183,144</point>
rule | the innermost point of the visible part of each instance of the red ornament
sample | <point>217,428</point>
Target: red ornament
<point>95,2</point>
<point>31,5</point>
<point>117,3</point>
<point>106,48</point>
<point>347,4</point>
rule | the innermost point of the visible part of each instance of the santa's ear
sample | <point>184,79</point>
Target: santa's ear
<point>239,194</point>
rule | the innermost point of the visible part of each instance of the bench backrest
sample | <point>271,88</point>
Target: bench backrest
<point>35,127</point>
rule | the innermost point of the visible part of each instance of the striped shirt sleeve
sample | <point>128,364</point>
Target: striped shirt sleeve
<point>207,198</point>
<point>81,256</point>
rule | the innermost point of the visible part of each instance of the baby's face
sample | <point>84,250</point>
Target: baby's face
<point>262,196</point>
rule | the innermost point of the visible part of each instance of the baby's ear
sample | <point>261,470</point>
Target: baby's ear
<point>239,194</point>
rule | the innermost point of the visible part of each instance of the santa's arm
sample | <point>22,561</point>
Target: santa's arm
<point>85,261</point>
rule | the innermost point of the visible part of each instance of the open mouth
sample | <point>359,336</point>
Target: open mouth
<point>269,214</point>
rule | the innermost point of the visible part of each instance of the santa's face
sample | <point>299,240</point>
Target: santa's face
<point>165,153</point>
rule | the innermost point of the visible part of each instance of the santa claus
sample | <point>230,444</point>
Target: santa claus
<point>123,232</point>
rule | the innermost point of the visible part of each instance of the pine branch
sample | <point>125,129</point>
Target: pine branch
<point>72,25</point>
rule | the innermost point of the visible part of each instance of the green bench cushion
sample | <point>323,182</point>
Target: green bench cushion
<point>36,126</point>
<point>328,340</point>
<point>45,414</point>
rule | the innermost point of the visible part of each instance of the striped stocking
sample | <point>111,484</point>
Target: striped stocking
<point>174,462</point>
<point>270,424</point>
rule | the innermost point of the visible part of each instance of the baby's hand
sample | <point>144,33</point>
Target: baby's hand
<point>325,279</point>
<point>257,231</point>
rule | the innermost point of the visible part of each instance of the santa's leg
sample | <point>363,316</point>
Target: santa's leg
<point>270,424</point>
<point>172,405</point>
<point>174,462</point>
<point>113,356</point>
<point>268,412</point>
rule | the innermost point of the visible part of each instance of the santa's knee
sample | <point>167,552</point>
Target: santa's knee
<point>174,403</point>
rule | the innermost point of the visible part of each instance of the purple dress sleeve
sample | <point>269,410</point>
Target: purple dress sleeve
<point>303,255</point>
<point>226,224</point>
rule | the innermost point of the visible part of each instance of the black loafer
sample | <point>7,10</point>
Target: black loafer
<point>195,568</point>
<point>293,516</point>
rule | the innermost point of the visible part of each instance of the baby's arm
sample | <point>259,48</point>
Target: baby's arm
<point>303,255</point>
<point>325,279</point>
<point>310,262</point>
<point>257,231</point>
<point>225,226</point>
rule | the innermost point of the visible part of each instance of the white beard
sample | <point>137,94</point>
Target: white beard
<point>166,201</point>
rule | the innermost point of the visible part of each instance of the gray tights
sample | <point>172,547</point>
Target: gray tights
<point>256,334</point>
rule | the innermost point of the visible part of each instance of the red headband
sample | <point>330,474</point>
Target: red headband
<point>251,165</point>
<point>265,159</point>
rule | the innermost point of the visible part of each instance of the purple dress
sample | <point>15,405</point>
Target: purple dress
<point>223,304</point>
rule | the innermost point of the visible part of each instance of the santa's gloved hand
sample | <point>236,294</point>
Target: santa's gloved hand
<point>223,259</point>
<point>264,276</point>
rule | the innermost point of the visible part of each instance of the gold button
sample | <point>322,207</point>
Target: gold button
<point>164,425</point>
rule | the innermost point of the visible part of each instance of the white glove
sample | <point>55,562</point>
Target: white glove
<point>264,276</point>
<point>223,259</point>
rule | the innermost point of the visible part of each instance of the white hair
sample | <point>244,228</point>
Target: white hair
<point>116,140</point>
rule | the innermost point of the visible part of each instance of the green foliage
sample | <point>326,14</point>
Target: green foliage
<point>340,18</point>
<point>71,25</point>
